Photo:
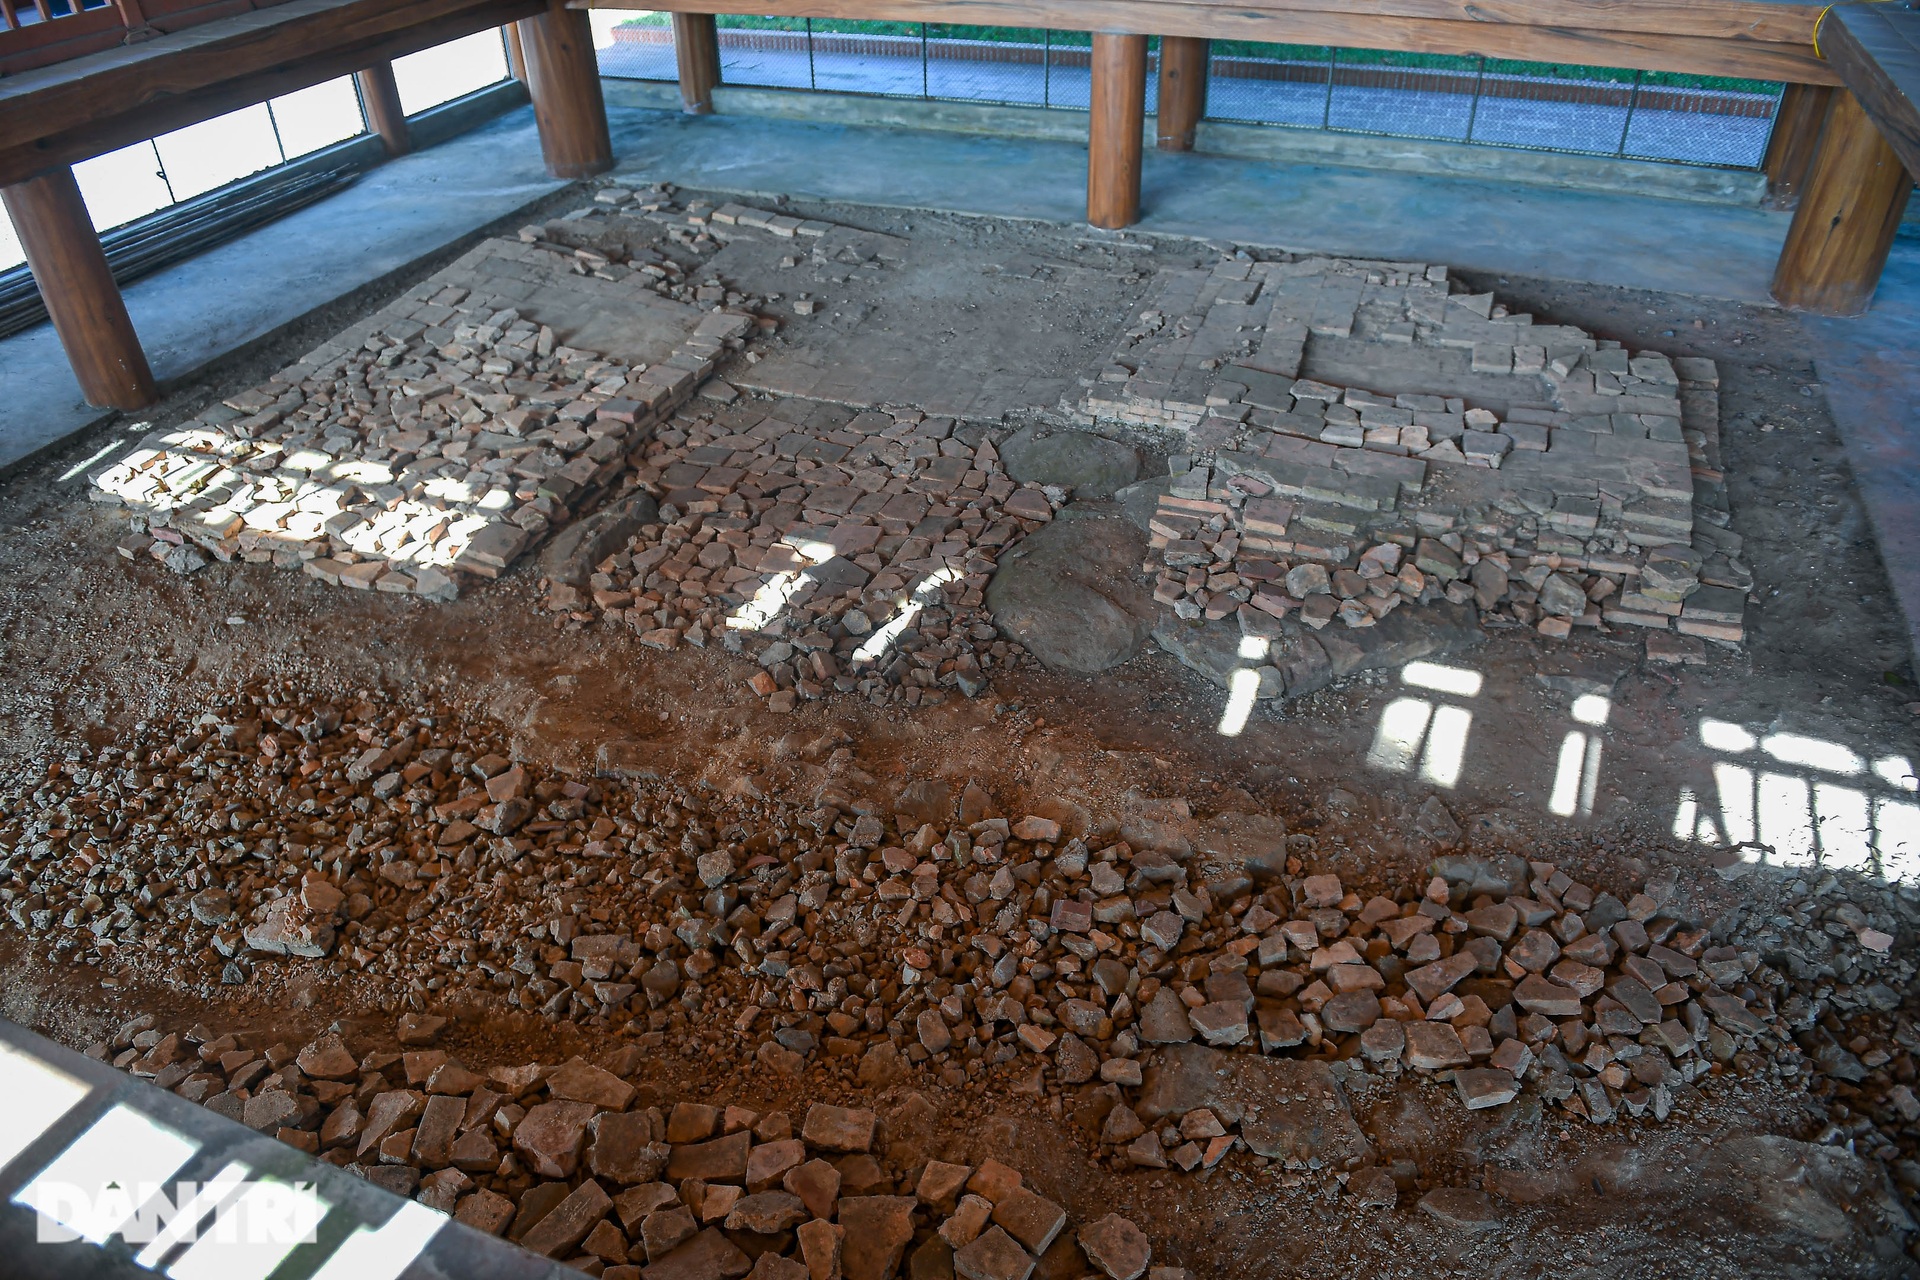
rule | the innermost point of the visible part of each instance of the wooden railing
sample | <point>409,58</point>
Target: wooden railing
<point>39,33</point>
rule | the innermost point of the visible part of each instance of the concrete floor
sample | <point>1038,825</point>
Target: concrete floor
<point>1871,368</point>
<point>247,289</point>
<point>1574,235</point>
<point>236,294</point>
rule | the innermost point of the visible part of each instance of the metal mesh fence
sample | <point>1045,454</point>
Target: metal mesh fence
<point>640,53</point>
<point>1432,98</point>
<point>1587,110</point>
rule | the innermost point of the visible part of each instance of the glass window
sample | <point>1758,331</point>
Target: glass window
<point>122,185</point>
<point>10,254</point>
<point>450,71</point>
<point>634,45</point>
<point>215,152</point>
<point>318,117</point>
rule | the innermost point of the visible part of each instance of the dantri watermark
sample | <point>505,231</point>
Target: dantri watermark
<point>242,1212</point>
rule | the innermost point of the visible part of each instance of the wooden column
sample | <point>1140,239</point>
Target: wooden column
<point>1118,118</point>
<point>381,97</point>
<point>1796,136</point>
<point>696,47</point>
<point>1849,211</point>
<point>62,248</point>
<point>516,57</point>
<point>1183,90</point>
<point>564,79</point>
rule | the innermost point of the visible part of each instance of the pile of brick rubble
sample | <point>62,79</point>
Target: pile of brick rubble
<point>1149,969</point>
<point>1590,496</point>
<point>574,1162</point>
<point>846,552</point>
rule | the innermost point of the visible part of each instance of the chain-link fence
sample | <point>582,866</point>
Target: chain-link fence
<point>1699,120</point>
<point>1589,110</point>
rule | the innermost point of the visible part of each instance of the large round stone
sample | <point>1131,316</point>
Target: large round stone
<point>1069,594</point>
<point>1092,466</point>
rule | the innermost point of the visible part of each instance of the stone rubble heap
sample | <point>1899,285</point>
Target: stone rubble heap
<point>578,1164</point>
<point>1581,489</point>
<point>615,239</point>
<point>846,552</point>
<point>872,936</point>
<point>446,433</point>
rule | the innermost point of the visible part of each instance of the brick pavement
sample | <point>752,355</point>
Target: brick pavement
<point>1580,484</point>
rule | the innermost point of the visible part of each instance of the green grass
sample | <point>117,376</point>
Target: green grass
<point>1240,49</point>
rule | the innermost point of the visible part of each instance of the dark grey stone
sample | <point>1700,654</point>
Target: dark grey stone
<point>570,557</point>
<point>1139,501</point>
<point>1300,661</point>
<point>1252,841</point>
<point>1070,594</point>
<point>1092,466</point>
<point>1409,633</point>
<point>1502,875</point>
<point>1213,649</point>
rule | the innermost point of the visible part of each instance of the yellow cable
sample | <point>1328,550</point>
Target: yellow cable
<point>1816,30</point>
<point>1823,17</point>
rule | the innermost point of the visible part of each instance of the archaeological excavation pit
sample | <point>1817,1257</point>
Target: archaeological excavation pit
<point>713,726</point>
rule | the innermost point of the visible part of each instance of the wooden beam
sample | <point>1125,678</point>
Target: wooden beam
<point>564,79</point>
<point>50,100</point>
<point>696,48</point>
<point>56,232</point>
<point>64,114</point>
<point>73,36</point>
<point>1848,214</point>
<point>1183,91</point>
<point>1876,50</point>
<point>1757,39</point>
<point>380,95</point>
<point>1118,117</point>
<point>1764,21</point>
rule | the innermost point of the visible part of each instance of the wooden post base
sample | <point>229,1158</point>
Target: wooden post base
<point>88,313</point>
<point>381,97</point>
<point>1118,117</point>
<point>564,80</point>
<point>1849,211</point>
<point>696,47</point>
<point>1183,91</point>
<point>1796,136</point>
